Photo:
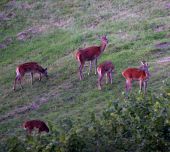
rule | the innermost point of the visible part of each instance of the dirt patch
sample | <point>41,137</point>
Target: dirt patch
<point>39,101</point>
<point>62,23</point>
<point>167,5</point>
<point>125,36</point>
<point>2,46</point>
<point>164,60</point>
<point>19,5</point>
<point>34,31</point>
<point>2,16</point>
<point>24,5</point>
<point>126,14</point>
<point>11,4</point>
<point>6,42</point>
<point>7,16</point>
<point>163,45</point>
<point>160,28</point>
<point>29,33</point>
<point>24,109</point>
<point>93,24</point>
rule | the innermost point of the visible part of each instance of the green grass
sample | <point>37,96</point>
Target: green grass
<point>131,39</point>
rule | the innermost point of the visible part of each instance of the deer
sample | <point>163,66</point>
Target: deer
<point>140,74</point>
<point>29,67</point>
<point>105,68</point>
<point>90,54</point>
<point>31,124</point>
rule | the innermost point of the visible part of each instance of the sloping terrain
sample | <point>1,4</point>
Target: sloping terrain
<point>49,32</point>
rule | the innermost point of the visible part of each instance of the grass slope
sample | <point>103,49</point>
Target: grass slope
<point>133,28</point>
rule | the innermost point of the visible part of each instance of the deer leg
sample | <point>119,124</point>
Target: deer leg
<point>40,77</point>
<point>145,86</point>
<point>140,85</point>
<point>80,70</point>
<point>20,83</point>
<point>110,77</point>
<point>128,85</point>
<point>90,67</point>
<point>16,79</point>
<point>95,66</point>
<point>30,130</point>
<point>99,81</point>
<point>40,130</point>
<point>107,76</point>
<point>31,78</point>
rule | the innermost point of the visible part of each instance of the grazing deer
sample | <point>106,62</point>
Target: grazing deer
<point>30,67</point>
<point>107,68</point>
<point>140,74</point>
<point>90,54</point>
<point>31,124</point>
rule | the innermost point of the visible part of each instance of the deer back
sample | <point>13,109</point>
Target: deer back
<point>30,67</point>
<point>36,124</point>
<point>90,53</point>
<point>134,74</point>
<point>106,66</point>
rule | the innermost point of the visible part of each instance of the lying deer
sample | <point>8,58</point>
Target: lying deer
<point>90,54</point>
<point>140,74</point>
<point>30,67</point>
<point>105,68</point>
<point>31,124</point>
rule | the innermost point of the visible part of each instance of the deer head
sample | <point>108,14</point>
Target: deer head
<point>145,67</point>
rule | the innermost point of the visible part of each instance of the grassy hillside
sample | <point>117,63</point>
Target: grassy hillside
<point>52,31</point>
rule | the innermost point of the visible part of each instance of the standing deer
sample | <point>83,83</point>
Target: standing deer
<point>31,124</point>
<point>30,67</point>
<point>90,54</point>
<point>107,68</point>
<point>140,74</point>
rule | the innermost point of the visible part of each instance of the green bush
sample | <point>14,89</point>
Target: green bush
<point>137,124</point>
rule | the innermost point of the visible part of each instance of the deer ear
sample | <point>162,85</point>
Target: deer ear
<point>141,63</point>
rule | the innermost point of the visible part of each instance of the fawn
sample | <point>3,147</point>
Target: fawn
<point>107,68</point>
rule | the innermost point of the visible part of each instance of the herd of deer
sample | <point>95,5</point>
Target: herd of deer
<point>90,54</point>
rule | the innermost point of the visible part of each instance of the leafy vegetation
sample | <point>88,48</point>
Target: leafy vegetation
<point>82,118</point>
<point>136,124</point>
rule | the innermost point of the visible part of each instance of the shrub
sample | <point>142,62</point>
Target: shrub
<point>135,124</point>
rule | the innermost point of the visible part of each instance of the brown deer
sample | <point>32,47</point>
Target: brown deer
<point>31,124</point>
<point>90,54</point>
<point>107,68</point>
<point>29,67</point>
<point>140,74</point>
